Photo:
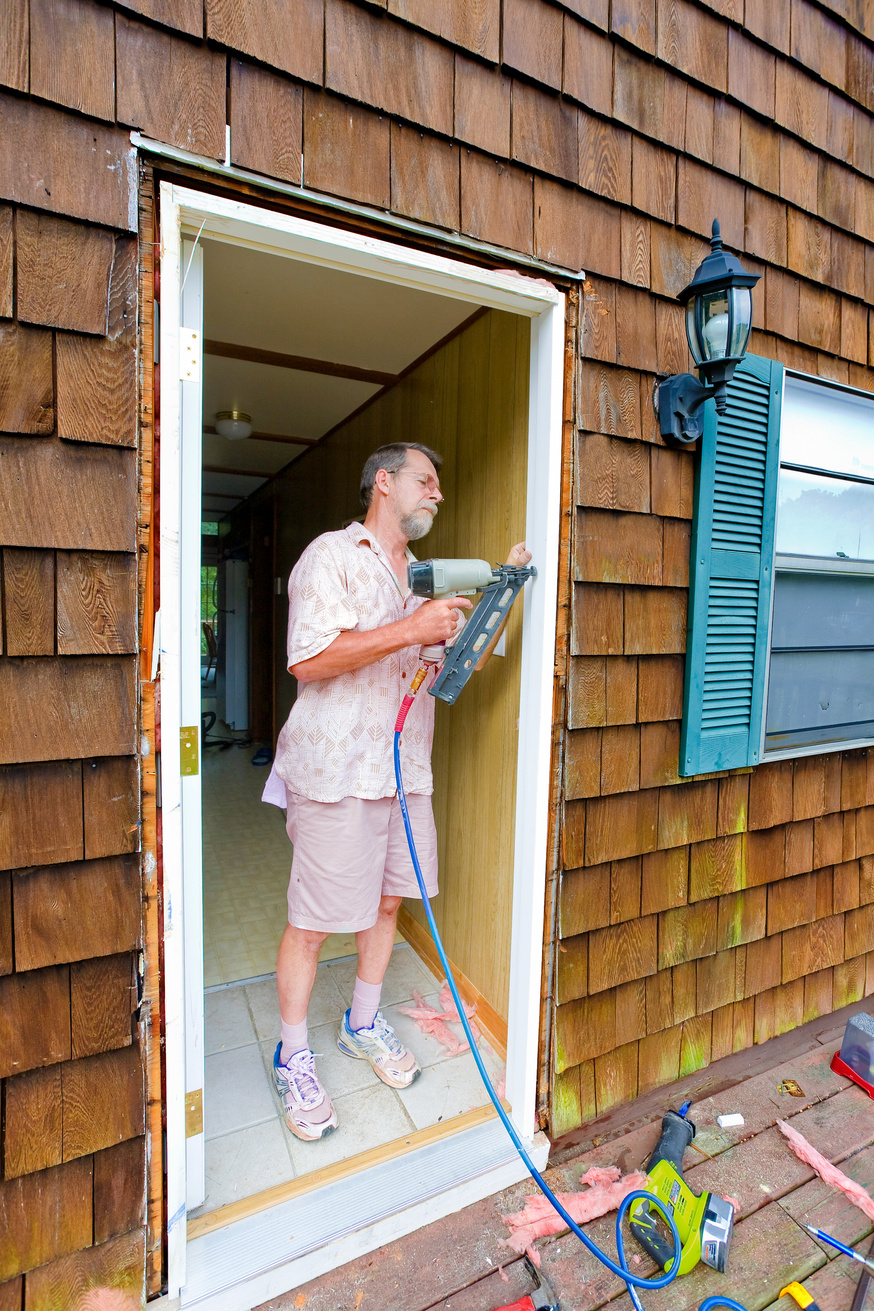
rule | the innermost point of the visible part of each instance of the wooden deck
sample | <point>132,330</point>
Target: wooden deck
<point>452,1265</point>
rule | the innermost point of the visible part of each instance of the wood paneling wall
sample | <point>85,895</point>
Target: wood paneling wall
<point>485,390</point>
<point>597,136</point>
<point>73,1147</point>
<point>469,401</point>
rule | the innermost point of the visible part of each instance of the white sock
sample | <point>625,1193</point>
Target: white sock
<point>294,1039</point>
<point>365,1004</point>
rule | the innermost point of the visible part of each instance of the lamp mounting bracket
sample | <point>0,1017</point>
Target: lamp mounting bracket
<point>679,402</point>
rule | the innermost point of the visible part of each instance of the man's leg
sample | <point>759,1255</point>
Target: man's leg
<point>364,1033</point>
<point>295,976</point>
<point>308,1110</point>
<point>374,952</point>
<point>375,944</point>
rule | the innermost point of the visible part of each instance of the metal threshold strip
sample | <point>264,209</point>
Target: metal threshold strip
<point>253,1246</point>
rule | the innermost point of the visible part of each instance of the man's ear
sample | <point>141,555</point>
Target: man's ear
<point>382,481</point>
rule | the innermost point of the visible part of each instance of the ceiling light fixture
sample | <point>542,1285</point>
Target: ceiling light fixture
<point>233,424</point>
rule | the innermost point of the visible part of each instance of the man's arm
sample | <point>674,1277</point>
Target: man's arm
<point>432,622</point>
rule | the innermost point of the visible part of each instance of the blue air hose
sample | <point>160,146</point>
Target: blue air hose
<point>632,1281</point>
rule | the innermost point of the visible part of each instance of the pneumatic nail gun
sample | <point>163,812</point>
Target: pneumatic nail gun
<point>500,585</point>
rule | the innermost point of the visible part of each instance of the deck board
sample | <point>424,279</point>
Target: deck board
<point>452,1264</point>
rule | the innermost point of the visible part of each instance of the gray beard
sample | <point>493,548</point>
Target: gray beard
<point>416,525</point>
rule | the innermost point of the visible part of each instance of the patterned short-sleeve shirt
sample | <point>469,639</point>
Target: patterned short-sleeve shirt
<point>337,741</point>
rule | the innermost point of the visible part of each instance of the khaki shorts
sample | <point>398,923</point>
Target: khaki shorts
<point>349,853</point>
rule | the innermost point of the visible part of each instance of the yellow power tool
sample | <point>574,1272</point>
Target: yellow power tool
<point>704,1223</point>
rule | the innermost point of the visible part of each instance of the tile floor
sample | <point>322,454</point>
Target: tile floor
<point>246,860</point>
<point>248,1147</point>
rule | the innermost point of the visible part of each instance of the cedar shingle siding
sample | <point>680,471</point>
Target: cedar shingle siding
<point>696,916</point>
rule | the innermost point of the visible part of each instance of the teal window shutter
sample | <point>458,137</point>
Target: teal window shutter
<point>731,573</point>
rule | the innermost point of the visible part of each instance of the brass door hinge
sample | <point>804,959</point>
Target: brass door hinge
<point>188,751</point>
<point>194,1113</point>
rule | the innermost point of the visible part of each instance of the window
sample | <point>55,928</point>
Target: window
<point>780,651</point>
<point>821,674</point>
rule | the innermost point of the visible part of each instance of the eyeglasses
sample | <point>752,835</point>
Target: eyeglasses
<point>423,479</point>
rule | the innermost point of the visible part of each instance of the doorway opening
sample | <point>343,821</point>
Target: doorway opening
<point>335,345</point>
<point>330,365</point>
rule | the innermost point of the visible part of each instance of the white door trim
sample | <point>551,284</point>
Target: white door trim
<point>191,318</point>
<point>183,208</point>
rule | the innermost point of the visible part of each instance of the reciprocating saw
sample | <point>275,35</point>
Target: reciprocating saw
<point>500,584</point>
<point>704,1223</point>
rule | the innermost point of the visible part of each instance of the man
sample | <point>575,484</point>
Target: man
<point>354,635</point>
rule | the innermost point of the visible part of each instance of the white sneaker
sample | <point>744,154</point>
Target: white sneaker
<point>309,1112</point>
<point>380,1045</point>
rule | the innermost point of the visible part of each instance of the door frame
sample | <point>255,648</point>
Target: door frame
<point>185,214</point>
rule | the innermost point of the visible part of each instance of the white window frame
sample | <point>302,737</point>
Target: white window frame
<point>193,211</point>
<point>807,564</point>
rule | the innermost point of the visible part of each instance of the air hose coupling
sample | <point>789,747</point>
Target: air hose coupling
<point>418,679</point>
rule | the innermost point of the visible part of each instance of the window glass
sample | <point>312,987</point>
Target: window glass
<point>821,671</point>
<point>208,610</point>
<point>818,697</point>
<point>831,517</point>
<point>821,681</point>
<point>819,611</point>
<point>826,428</point>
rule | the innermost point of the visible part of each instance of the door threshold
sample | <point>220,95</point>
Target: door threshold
<point>259,1256</point>
<point>233,1211</point>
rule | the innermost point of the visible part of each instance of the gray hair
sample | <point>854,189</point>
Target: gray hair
<point>392,458</point>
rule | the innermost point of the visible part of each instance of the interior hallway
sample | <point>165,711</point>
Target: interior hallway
<point>246,860</point>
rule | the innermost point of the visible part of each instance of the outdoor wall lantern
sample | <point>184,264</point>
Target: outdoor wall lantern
<point>719,316</point>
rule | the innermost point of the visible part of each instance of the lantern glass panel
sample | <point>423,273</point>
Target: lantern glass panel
<point>713,325</point>
<point>692,333</point>
<point>741,320</point>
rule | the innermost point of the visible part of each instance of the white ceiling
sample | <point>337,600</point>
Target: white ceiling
<point>279,400</point>
<point>271,303</point>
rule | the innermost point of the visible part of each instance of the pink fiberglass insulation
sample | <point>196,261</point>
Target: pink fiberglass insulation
<point>435,1023</point>
<point>432,1022</point>
<point>601,1174</point>
<point>605,1192</point>
<point>450,1010</point>
<point>827,1172</point>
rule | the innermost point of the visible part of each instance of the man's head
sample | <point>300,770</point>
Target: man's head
<point>405,474</point>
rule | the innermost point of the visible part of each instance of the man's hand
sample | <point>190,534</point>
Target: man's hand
<point>437,621</point>
<point>434,621</point>
<point>519,556</point>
